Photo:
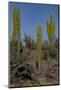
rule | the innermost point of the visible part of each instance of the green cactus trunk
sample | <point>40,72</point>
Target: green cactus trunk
<point>15,43</point>
<point>51,27</point>
<point>39,43</point>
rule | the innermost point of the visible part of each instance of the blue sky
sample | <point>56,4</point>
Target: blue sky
<point>31,16</point>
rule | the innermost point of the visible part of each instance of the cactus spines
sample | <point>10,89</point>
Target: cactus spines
<point>15,44</point>
<point>39,43</point>
<point>51,29</point>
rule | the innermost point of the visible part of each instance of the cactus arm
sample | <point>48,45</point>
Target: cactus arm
<point>51,29</point>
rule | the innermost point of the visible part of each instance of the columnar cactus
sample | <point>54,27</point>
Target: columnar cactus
<point>16,25</point>
<point>15,44</point>
<point>51,29</point>
<point>39,43</point>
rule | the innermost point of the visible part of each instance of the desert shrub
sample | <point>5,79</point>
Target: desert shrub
<point>53,52</point>
<point>29,42</point>
<point>50,50</point>
<point>45,50</point>
<point>56,43</point>
<point>33,46</point>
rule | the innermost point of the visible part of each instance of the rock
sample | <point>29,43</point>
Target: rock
<point>25,72</point>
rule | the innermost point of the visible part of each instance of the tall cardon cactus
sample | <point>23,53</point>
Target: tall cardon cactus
<point>51,27</point>
<point>15,43</point>
<point>39,43</point>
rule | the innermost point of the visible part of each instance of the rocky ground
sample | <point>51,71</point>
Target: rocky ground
<point>25,72</point>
